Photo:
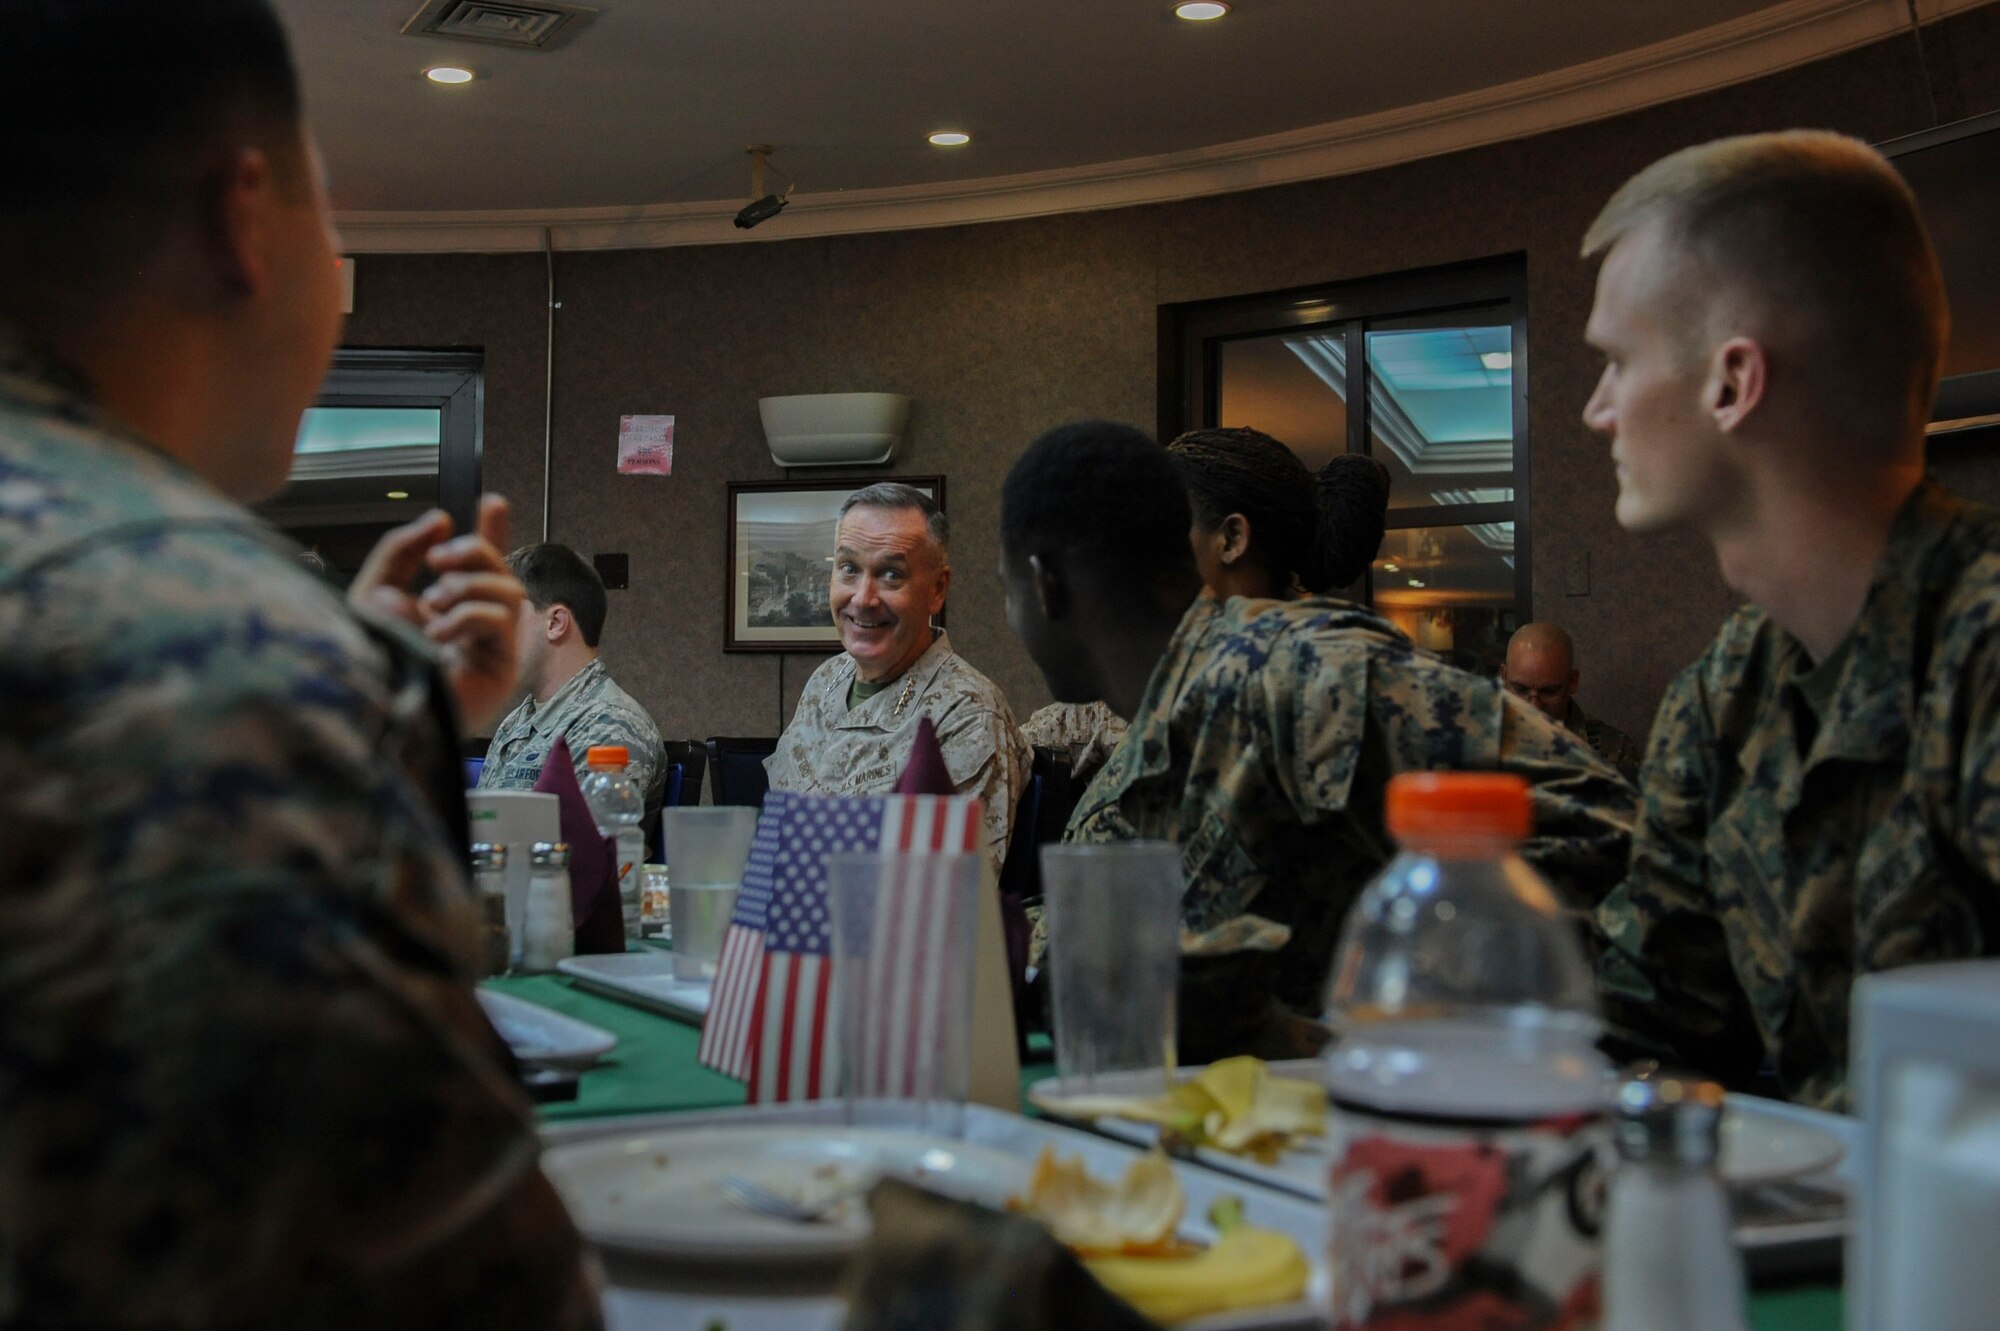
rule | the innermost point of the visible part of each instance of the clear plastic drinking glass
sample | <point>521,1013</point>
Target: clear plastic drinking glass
<point>904,934</point>
<point>1114,927</point>
<point>707,847</point>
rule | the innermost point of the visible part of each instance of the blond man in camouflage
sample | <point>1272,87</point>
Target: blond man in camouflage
<point>1819,787</point>
<point>858,716</point>
<point>244,1081</point>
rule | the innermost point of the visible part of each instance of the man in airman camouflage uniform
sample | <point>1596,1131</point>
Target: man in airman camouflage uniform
<point>570,693</point>
<point>858,716</point>
<point>1263,733</point>
<point>1818,794</point>
<point>243,1078</point>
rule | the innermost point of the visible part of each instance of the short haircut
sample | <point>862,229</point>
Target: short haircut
<point>1817,235</point>
<point>895,495</point>
<point>1103,491</point>
<point>109,107</point>
<point>1321,529</point>
<point>558,575</point>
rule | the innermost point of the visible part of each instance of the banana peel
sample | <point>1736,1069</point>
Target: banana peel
<point>1234,1105</point>
<point>1140,1211</point>
<point>1247,1267</point>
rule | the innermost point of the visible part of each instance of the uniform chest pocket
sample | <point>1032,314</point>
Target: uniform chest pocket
<point>1746,875</point>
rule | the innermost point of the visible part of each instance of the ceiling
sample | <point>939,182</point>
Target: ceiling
<point>647,111</point>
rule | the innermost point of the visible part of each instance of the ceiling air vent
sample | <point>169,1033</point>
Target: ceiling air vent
<point>533,25</point>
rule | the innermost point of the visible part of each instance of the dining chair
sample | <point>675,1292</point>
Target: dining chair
<point>736,769</point>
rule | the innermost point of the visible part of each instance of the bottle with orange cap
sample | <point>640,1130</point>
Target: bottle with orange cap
<point>617,807</point>
<point>1472,1103</point>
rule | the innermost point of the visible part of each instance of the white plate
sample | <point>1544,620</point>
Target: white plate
<point>1762,1142</point>
<point>537,1034</point>
<point>658,1194</point>
<point>643,979</point>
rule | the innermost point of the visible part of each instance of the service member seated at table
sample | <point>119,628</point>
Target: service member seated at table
<point>1265,526</point>
<point>1819,790</point>
<point>244,1081</point>
<point>1540,669</point>
<point>1263,732</point>
<point>858,716</point>
<point>570,692</point>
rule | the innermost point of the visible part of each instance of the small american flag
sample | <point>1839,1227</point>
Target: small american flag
<point>770,1020</point>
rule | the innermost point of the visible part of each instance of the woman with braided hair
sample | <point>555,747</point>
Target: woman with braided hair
<point>1266,527</point>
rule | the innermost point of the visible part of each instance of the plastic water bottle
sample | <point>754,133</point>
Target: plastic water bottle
<point>1670,1253</point>
<point>1467,1183</point>
<point>617,807</point>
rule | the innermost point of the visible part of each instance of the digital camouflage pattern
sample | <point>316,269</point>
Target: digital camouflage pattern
<point>1778,856</point>
<point>830,749</point>
<point>589,709</point>
<point>243,1078</point>
<point>1612,744</point>
<point>1264,745</point>
<point>1088,732</point>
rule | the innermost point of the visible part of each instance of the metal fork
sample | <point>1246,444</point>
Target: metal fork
<point>754,1196</point>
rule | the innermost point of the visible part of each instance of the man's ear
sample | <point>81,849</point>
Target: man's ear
<point>943,590</point>
<point>561,622</point>
<point>1052,594</point>
<point>239,204</point>
<point>1737,377</point>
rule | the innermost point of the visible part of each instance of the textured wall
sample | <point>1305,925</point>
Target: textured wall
<point>999,331</point>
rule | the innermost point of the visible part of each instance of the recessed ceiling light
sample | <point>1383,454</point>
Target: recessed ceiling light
<point>1392,568</point>
<point>1497,360</point>
<point>950,138</point>
<point>1200,11</point>
<point>1416,582</point>
<point>399,494</point>
<point>448,74</point>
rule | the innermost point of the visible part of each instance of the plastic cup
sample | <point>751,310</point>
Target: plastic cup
<point>1114,923</point>
<point>904,932</point>
<point>707,847</point>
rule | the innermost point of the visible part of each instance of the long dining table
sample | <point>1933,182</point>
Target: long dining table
<point>654,1070</point>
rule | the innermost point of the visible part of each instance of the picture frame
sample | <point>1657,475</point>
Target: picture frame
<point>779,555</point>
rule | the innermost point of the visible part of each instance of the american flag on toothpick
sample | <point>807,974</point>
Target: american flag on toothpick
<point>770,1020</point>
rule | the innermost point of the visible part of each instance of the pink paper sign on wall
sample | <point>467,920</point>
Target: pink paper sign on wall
<point>646,445</point>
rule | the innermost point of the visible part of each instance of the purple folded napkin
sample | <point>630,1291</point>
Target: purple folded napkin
<point>925,773</point>
<point>593,859</point>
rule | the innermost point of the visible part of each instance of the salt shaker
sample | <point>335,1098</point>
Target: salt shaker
<point>548,934</point>
<point>489,883</point>
<point>1670,1260</point>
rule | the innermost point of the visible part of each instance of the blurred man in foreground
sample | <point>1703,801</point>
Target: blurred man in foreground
<point>1818,789</point>
<point>1541,670</point>
<point>858,716</point>
<point>243,1078</point>
<point>1263,732</point>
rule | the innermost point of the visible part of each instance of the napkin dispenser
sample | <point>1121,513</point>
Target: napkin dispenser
<point>1926,1077</point>
<point>515,819</point>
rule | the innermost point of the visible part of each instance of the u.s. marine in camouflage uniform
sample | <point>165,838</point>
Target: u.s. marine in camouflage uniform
<point>1263,748</point>
<point>1804,823</point>
<point>1818,793</point>
<point>831,748</point>
<point>244,1078</point>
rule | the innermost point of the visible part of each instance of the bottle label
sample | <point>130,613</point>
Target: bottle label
<point>1440,1226</point>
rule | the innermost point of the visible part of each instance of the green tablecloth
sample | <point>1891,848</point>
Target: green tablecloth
<point>654,1069</point>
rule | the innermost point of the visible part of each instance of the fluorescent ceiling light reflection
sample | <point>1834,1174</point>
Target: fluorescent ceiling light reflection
<point>1497,360</point>
<point>448,74</point>
<point>1200,11</point>
<point>399,494</point>
<point>950,138</point>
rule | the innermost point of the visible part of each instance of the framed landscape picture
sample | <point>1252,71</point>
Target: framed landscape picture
<point>780,560</point>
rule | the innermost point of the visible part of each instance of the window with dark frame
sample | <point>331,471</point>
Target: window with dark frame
<point>1441,354</point>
